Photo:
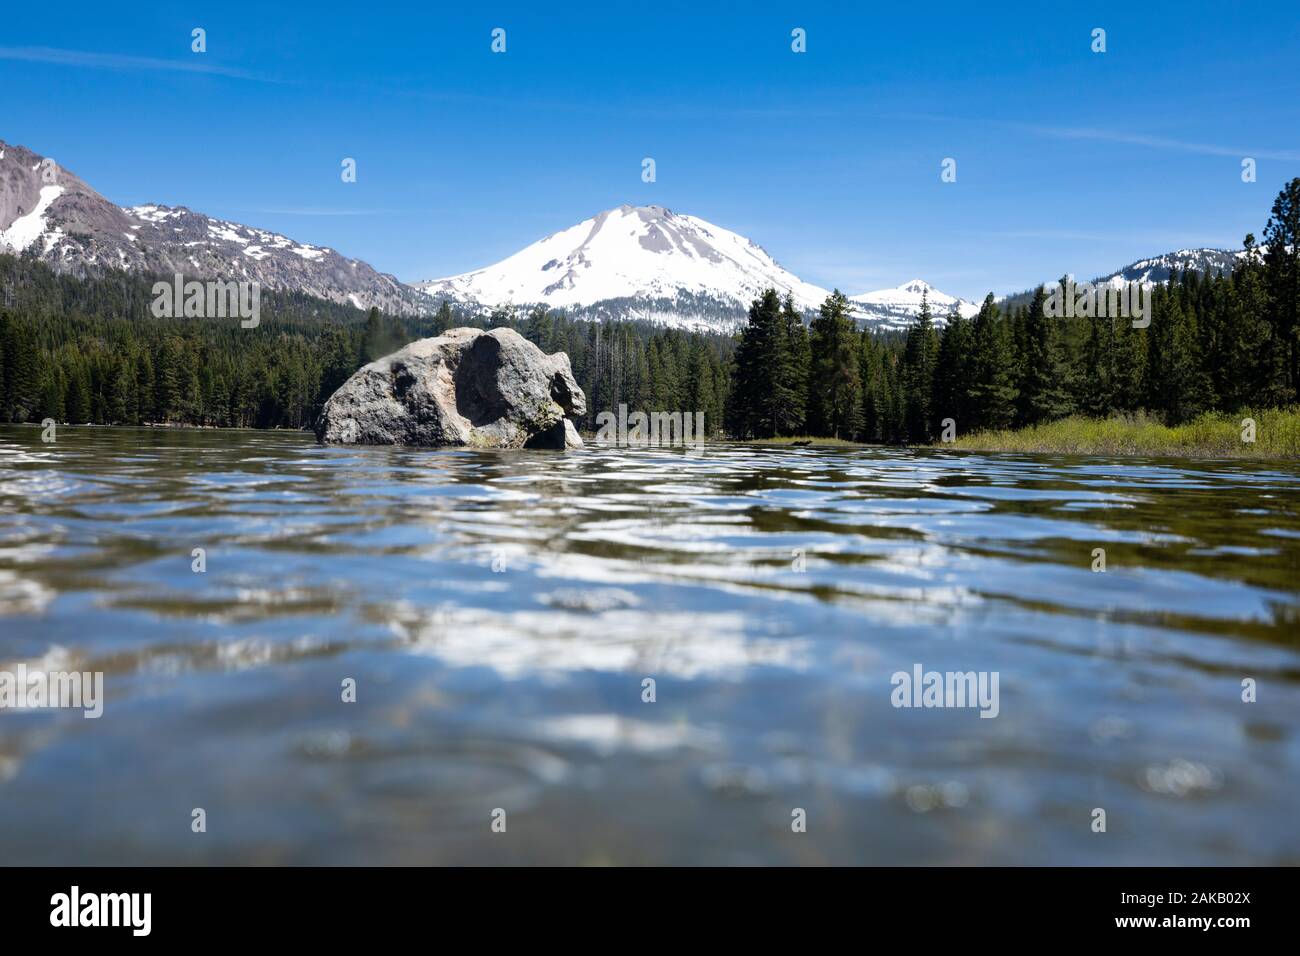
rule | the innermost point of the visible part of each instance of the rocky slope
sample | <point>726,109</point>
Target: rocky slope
<point>49,212</point>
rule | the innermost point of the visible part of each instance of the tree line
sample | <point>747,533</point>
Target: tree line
<point>1215,343</point>
<point>88,350</point>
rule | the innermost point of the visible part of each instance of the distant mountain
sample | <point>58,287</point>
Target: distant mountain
<point>643,262</point>
<point>898,308</point>
<point>1158,269</point>
<point>49,212</point>
<point>1149,271</point>
<point>638,262</point>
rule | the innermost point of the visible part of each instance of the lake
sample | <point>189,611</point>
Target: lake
<point>501,616</point>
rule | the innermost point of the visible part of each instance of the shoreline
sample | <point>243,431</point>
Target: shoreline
<point>1211,436</point>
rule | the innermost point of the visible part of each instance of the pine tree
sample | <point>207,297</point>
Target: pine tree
<point>444,319</point>
<point>874,398</point>
<point>834,397</point>
<point>1042,397</point>
<point>374,343</point>
<point>952,373</point>
<point>793,356</point>
<point>76,402</point>
<point>992,391</point>
<point>761,394</point>
<point>22,370</point>
<point>1096,396</point>
<point>118,394</point>
<point>1256,359</point>
<point>920,355</point>
<point>1178,378</point>
<point>51,400</point>
<point>1282,278</point>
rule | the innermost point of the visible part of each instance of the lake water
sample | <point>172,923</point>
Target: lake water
<point>499,613</point>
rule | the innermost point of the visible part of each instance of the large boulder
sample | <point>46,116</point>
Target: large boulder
<point>465,387</point>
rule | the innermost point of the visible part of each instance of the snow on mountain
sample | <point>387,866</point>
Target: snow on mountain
<point>643,262</point>
<point>1158,269</point>
<point>635,262</point>
<point>47,211</point>
<point>897,308</point>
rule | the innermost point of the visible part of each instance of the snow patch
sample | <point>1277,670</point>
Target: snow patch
<point>224,231</point>
<point>27,229</point>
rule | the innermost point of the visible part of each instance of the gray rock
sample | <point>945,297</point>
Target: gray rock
<point>466,387</point>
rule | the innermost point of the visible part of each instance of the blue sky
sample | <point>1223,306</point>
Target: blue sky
<point>1067,160</point>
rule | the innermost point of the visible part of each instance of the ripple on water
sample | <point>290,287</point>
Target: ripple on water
<point>501,614</point>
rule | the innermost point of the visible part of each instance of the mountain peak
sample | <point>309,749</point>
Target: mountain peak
<point>896,308</point>
<point>635,262</point>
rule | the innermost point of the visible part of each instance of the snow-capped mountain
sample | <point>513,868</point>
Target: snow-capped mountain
<point>1157,270</point>
<point>49,212</point>
<point>635,262</point>
<point>643,262</point>
<point>897,308</point>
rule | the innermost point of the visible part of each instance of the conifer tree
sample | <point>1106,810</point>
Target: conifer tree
<point>834,395</point>
<point>1042,397</point>
<point>920,355</point>
<point>993,392</point>
<point>791,406</point>
<point>874,400</point>
<point>443,320</point>
<point>762,391</point>
<point>1257,360</point>
<point>1179,381</point>
<point>952,373</point>
<point>1282,278</point>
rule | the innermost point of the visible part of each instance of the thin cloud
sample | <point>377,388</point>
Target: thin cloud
<point>1106,136</point>
<point>123,62</point>
<point>1162,142</point>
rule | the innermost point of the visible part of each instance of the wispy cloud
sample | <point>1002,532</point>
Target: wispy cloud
<point>123,62</point>
<point>1164,142</point>
<point>1101,134</point>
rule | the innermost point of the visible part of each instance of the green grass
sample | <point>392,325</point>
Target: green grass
<point>1212,435</point>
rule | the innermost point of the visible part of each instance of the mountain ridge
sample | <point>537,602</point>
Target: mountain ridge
<point>49,211</point>
<point>639,262</point>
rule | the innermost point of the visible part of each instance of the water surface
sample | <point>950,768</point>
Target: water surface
<point>499,612</point>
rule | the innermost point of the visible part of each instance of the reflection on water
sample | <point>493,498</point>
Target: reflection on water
<point>500,610</point>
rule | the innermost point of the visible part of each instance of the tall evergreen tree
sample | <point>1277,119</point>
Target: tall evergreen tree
<point>1042,397</point>
<point>993,392</point>
<point>761,395</point>
<point>920,355</point>
<point>790,408</point>
<point>1178,379</point>
<point>952,373</point>
<point>1282,276</point>
<point>834,397</point>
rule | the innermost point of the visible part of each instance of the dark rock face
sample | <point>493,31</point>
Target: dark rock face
<point>466,387</point>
